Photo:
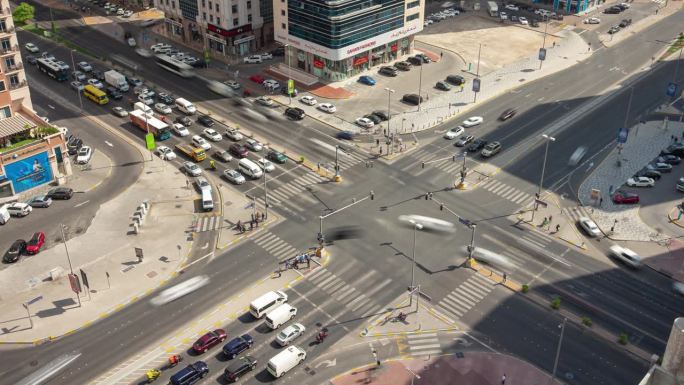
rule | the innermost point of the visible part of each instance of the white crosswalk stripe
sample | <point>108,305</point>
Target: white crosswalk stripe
<point>208,223</point>
<point>575,213</point>
<point>466,295</point>
<point>282,194</point>
<point>423,344</point>
<point>352,298</point>
<point>275,246</point>
<point>505,191</point>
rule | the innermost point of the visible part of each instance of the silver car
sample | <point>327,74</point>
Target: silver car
<point>234,176</point>
<point>290,333</point>
<point>589,227</point>
<point>40,201</point>
<point>192,169</point>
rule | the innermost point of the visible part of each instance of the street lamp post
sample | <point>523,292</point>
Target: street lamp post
<point>337,166</point>
<point>560,343</point>
<point>389,116</point>
<point>414,375</point>
<point>73,65</point>
<point>420,84</point>
<point>71,268</point>
<point>477,71</point>
<point>289,73</point>
<point>548,139</point>
<point>416,227</point>
<point>471,249</point>
<point>265,197</point>
<point>544,41</point>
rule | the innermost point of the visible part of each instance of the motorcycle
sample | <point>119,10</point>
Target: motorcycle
<point>152,375</point>
<point>175,360</point>
<point>321,336</point>
<point>401,317</point>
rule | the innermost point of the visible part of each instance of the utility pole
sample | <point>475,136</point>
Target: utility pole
<point>73,65</point>
<point>560,343</point>
<point>416,227</point>
<point>389,116</point>
<point>541,179</point>
<point>71,268</point>
<point>265,197</point>
<point>477,71</point>
<point>420,84</point>
<point>544,42</point>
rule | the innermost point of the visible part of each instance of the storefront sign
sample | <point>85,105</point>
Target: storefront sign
<point>394,47</point>
<point>318,63</point>
<point>29,172</point>
<point>229,32</point>
<point>243,40</point>
<point>362,47</point>
<point>360,60</point>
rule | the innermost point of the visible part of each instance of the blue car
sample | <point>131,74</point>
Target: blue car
<point>238,345</point>
<point>367,80</point>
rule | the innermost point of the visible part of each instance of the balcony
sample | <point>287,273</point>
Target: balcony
<point>9,51</point>
<point>7,31</point>
<point>16,86</point>
<point>5,11</point>
<point>14,67</point>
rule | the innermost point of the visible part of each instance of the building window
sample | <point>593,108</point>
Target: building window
<point>5,112</point>
<point>210,6</point>
<point>5,44</point>
<point>412,17</point>
<point>204,16</point>
<point>2,86</point>
<point>249,5</point>
<point>412,4</point>
<point>249,18</point>
<point>217,7</point>
<point>218,21</point>
<point>203,4</point>
<point>234,9</point>
<point>14,80</point>
<point>3,26</point>
<point>167,2</point>
<point>173,5</point>
<point>9,62</point>
<point>282,12</point>
<point>236,21</point>
<point>211,19</point>
<point>283,26</point>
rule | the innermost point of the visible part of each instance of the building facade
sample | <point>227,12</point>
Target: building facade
<point>30,155</point>
<point>336,39</point>
<point>223,27</point>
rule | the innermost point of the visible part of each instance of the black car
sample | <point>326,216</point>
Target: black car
<point>237,345</point>
<point>669,159</point>
<point>674,149</point>
<point>63,193</point>
<point>455,79</point>
<point>382,115</point>
<point>534,23</point>
<point>238,368</point>
<point>621,6</point>
<point>477,145</point>
<point>412,99</point>
<point>99,75</point>
<point>205,120</point>
<point>74,145</point>
<point>345,135</point>
<point>614,29</point>
<point>278,51</point>
<point>507,114</point>
<point>199,64</point>
<point>114,93</point>
<point>184,120</point>
<point>165,98</point>
<point>375,119</point>
<point>444,86</point>
<point>612,10</point>
<point>31,59</point>
<point>388,71</point>
<point>625,22</point>
<point>15,251</point>
<point>425,58</point>
<point>415,61</point>
<point>653,174</point>
<point>403,65</point>
<point>295,92</point>
<point>295,113</point>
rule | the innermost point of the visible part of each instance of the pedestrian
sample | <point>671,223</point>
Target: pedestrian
<point>503,379</point>
<point>239,225</point>
<point>554,45</point>
<point>256,223</point>
<point>251,225</point>
<point>287,265</point>
<point>504,278</point>
<point>319,166</point>
<point>279,272</point>
<point>295,264</point>
<point>600,201</point>
<point>187,184</point>
<point>252,217</point>
<point>308,262</point>
<point>441,54</point>
<point>380,150</point>
<point>550,218</point>
<point>557,228</point>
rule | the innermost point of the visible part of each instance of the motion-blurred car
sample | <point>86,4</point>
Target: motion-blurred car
<point>589,227</point>
<point>232,84</point>
<point>454,132</point>
<point>345,135</point>
<point>428,223</point>
<point>625,255</point>
<point>180,290</point>
<point>640,181</point>
<point>223,155</point>
<point>623,197</point>
<point>472,121</point>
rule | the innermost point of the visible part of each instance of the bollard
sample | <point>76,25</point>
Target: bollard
<point>136,229</point>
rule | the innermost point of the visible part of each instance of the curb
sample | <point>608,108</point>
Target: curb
<point>671,217</point>
<point>109,173</point>
<point>249,235</point>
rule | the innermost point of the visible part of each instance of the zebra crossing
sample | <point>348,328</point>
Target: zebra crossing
<point>575,213</point>
<point>423,155</point>
<point>423,344</point>
<point>348,160</point>
<point>505,191</point>
<point>274,245</point>
<point>466,295</point>
<point>284,192</point>
<point>349,296</point>
<point>208,223</point>
<point>534,239</point>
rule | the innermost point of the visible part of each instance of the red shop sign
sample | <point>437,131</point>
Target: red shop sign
<point>318,63</point>
<point>229,32</point>
<point>394,47</point>
<point>360,60</point>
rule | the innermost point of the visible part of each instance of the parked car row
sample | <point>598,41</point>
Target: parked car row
<point>439,16</point>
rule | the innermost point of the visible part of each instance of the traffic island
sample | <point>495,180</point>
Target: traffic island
<point>548,218</point>
<point>406,318</point>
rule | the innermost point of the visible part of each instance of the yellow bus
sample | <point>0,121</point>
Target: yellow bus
<point>95,94</point>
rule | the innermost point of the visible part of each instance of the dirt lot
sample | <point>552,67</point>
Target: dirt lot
<point>501,43</point>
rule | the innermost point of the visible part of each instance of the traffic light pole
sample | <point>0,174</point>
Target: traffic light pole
<point>370,196</point>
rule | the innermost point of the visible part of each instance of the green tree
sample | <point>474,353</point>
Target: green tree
<point>23,12</point>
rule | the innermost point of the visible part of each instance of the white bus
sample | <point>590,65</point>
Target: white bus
<point>175,66</point>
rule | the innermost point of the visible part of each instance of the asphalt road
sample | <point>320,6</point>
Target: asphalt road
<point>387,248</point>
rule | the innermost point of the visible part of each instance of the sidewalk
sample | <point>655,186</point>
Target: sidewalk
<point>420,318</point>
<point>471,368</point>
<point>551,220</point>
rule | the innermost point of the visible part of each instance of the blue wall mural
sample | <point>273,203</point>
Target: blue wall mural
<point>29,172</point>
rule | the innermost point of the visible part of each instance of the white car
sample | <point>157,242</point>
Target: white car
<point>454,133</point>
<point>589,227</point>
<point>640,181</point>
<point>254,145</point>
<point>32,47</point>
<point>19,209</point>
<point>626,255</point>
<point>266,56</point>
<point>523,21</point>
<point>165,153</point>
<point>265,101</point>
<point>120,12</point>
<point>253,59</point>
<point>308,100</point>
<point>180,129</point>
<point>199,141</point>
<point>128,13</point>
<point>192,169</point>
<point>131,42</point>
<point>327,107</point>
<point>503,15</point>
<point>592,20</point>
<point>96,83</point>
<point>290,333</point>
<point>84,155</point>
<point>162,108</point>
<point>78,86</point>
<point>144,98</point>
<point>212,135</point>
<point>266,165</point>
<point>234,176</point>
<point>233,134</point>
<point>428,223</point>
<point>119,111</point>
<point>85,66</point>
<point>271,84</point>
<point>512,7</point>
<point>472,121</point>
<point>365,122</point>
<point>160,48</point>
<point>232,84</point>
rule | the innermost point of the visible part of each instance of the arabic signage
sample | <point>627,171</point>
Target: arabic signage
<point>360,60</point>
<point>29,172</point>
<point>229,32</point>
<point>318,63</point>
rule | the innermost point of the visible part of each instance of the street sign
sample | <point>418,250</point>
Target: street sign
<point>541,202</point>
<point>465,221</point>
<point>31,302</point>
<point>671,90</point>
<point>75,283</point>
<point>84,278</point>
<point>149,142</point>
<point>139,253</point>
<point>290,86</point>
<point>623,133</point>
<point>542,54</point>
<point>476,85</point>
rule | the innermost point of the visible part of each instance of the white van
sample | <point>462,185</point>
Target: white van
<point>280,315</point>
<point>142,107</point>
<point>267,302</point>
<point>207,200</point>
<point>4,215</point>
<point>282,362</point>
<point>185,106</point>
<point>250,169</point>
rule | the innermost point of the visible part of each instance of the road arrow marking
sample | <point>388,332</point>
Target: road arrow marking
<point>51,106</point>
<point>108,143</point>
<point>563,195</point>
<point>81,204</point>
<point>327,363</point>
<point>205,246</point>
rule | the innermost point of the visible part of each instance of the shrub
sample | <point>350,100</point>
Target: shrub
<point>525,288</point>
<point>23,12</point>
<point>555,303</point>
<point>586,321</point>
<point>623,339</point>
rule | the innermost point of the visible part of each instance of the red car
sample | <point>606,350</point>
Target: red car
<point>622,197</point>
<point>238,150</point>
<point>37,241</point>
<point>208,340</point>
<point>256,78</point>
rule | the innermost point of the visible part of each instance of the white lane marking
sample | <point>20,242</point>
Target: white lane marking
<point>51,106</point>
<point>82,203</point>
<point>108,143</point>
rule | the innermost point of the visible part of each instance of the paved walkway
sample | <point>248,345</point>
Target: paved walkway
<point>471,368</point>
